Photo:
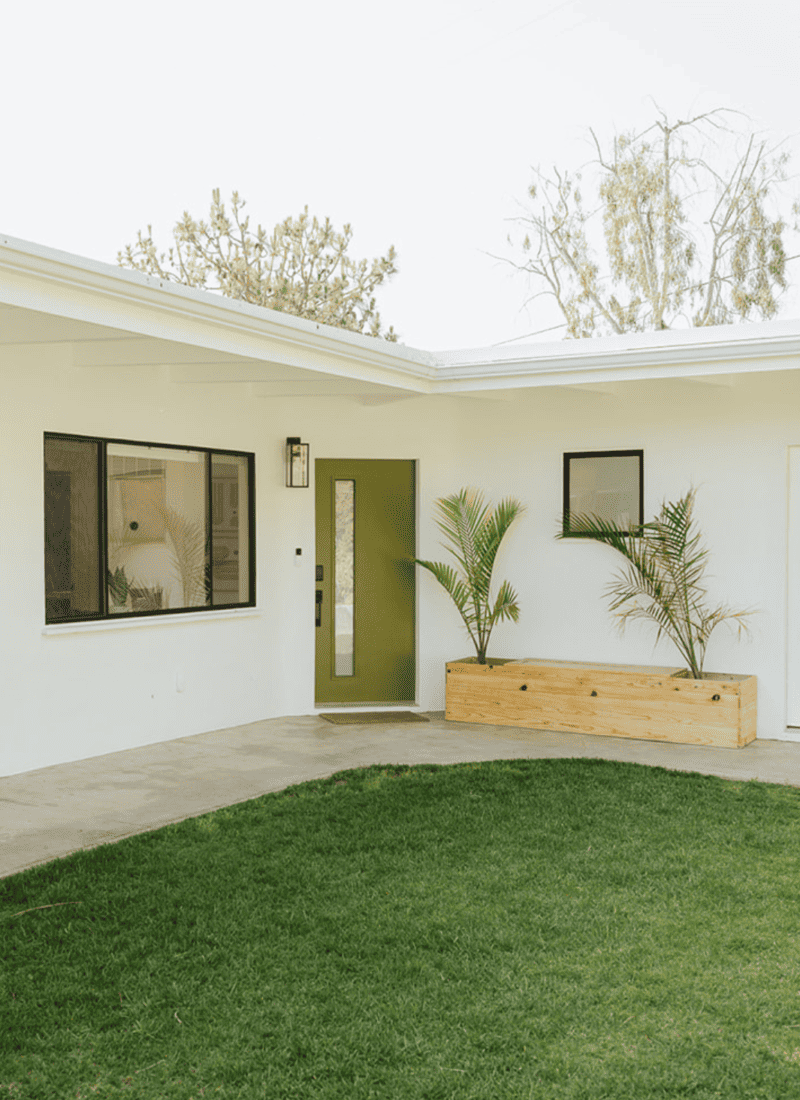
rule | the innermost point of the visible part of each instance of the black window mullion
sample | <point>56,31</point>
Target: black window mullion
<point>251,527</point>
<point>102,526</point>
<point>210,529</point>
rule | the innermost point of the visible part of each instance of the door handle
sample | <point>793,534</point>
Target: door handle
<point>318,616</point>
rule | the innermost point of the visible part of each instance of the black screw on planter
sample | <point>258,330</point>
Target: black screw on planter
<point>594,693</point>
<point>715,698</point>
<point>524,687</point>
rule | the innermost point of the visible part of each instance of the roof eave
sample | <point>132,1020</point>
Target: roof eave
<point>47,280</point>
<point>729,349</point>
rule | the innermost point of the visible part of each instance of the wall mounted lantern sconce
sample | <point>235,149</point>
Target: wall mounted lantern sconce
<point>297,463</point>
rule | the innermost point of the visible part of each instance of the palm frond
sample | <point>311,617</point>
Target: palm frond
<point>505,606</point>
<point>473,532</point>
<point>662,580</point>
<point>460,517</point>
<point>490,535</point>
<point>447,577</point>
<point>188,549</point>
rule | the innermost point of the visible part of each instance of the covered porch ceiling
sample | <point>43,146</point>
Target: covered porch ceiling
<point>101,348</point>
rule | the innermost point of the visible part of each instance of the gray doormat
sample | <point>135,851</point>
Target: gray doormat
<point>373,717</point>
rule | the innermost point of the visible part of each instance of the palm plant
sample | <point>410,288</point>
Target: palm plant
<point>474,532</point>
<point>189,551</point>
<point>118,586</point>
<point>662,580</point>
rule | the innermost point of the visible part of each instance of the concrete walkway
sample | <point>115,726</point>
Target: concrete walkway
<point>51,812</point>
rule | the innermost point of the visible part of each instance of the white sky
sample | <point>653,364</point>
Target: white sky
<point>417,122</point>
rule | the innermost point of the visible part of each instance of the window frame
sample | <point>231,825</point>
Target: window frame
<point>101,444</point>
<point>635,529</point>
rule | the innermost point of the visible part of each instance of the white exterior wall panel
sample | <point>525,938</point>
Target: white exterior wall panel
<point>73,693</point>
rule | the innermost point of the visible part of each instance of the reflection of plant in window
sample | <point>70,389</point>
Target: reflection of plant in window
<point>189,555</point>
<point>118,582</point>
<point>118,586</point>
<point>187,545</point>
<point>147,599</point>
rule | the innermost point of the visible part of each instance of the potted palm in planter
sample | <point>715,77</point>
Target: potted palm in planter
<point>474,531</point>
<point>661,581</point>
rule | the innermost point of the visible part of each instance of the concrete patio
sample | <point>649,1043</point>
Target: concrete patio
<point>50,812</point>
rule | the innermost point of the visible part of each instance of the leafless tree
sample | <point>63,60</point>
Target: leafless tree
<point>684,240</point>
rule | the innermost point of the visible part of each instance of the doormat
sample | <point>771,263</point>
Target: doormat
<point>373,717</point>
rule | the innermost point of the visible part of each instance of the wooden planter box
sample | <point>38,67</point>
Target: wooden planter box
<point>654,704</point>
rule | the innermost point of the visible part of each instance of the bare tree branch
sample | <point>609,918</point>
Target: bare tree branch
<point>676,229</point>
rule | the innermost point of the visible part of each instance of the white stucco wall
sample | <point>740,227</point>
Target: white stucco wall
<point>91,690</point>
<point>731,442</point>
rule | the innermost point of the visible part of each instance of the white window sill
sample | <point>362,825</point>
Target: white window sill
<point>151,620</point>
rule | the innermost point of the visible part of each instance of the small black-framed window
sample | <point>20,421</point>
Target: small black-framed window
<point>134,528</point>
<point>606,484</point>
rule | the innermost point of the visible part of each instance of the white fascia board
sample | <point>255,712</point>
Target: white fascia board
<point>50,281</point>
<point>683,353</point>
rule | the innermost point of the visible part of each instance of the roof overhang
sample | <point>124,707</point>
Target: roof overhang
<point>114,317</point>
<point>117,317</point>
<point>675,353</point>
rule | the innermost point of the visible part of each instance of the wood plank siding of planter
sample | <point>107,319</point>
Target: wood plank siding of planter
<point>639,701</point>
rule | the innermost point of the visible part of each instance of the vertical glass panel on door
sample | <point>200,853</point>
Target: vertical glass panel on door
<point>71,531</point>
<point>344,577</point>
<point>230,512</point>
<point>158,536</point>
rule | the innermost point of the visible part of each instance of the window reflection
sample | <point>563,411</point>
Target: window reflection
<point>344,577</point>
<point>157,529</point>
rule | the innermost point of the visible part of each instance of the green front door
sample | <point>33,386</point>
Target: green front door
<point>365,512</point>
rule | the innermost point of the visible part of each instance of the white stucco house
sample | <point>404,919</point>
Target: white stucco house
<point>158,578</point>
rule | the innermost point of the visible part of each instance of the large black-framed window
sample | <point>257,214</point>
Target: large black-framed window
<point>605,484</point>
<point>134,528</point>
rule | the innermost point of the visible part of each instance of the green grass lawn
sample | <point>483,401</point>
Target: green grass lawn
<point>546,929</point>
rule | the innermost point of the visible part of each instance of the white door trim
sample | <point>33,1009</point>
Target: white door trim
<point>793,589</point>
